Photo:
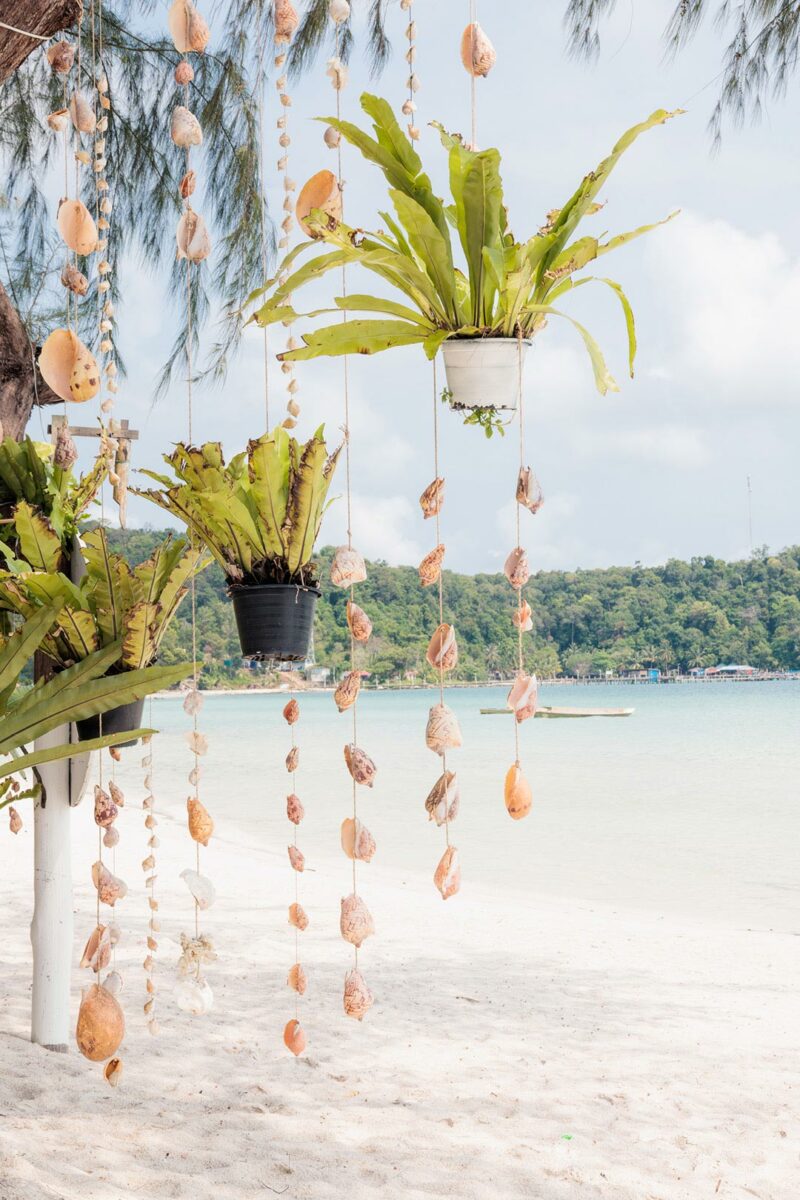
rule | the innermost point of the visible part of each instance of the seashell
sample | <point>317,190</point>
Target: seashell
<point>192,237</point>
<point>523,617</point>
<point>194,776</point>
<point>356,921</point>
<point>113,1072</point>
<point>337,73</point>
<point>66,452</point>
<point>58,120</point>
<point>188,185</point>
<point>14,819</point>
<point>360,765</point>
<point>184,73</point>
<point>447,875</point>
<point>188,29</point>
<point>444,798</point>
<point>298,916</point>
<point>109,888</point>
<point>358,622</point>
<point>82,113</point>
<point>192,702</point>
<point>61,56</point>
<point>114,932</point>
<point>74,280</point>
<point>194,996</point>
<point>293,761</point>
<point>332,137</point>
<point>117,794</point>
<point>201,825</point>
<point>346,693</point>
<point>338,11</point>
<point>432,499</point>
<point>185,128</point>
<point>111,837</point>
<point>477,53</point>
<point>522,697</point>
<point>76,226</point>
<point>113,983</point>
<point>294,1038</point>
<point>431,566</point>
<point>442,649</point>
<point>198,742</point>
<point>286,22</point>
<point>97,951</point>
<point>348,567</point>
<point>517,792</point>
<point>297,859</point>
<point>101,1024</point>
<point>357,841</point>
<point>358,999</point>
<point>529,493</point>
<point>294,809</point>
<point>322,192</point>
<point>291,713</point>
<point>442,732</point>
<point>516,568</point>
<point>297,979</point>
<point>201,888</point>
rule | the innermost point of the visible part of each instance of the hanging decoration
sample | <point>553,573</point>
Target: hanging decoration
<point>410,105</point>
<point>149,867</point>
<point>285,21</point>
<point>293,1035</point>
<point>103,209</point>
<point>478,56</point>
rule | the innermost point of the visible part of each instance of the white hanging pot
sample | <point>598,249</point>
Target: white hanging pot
<point>483,372</point>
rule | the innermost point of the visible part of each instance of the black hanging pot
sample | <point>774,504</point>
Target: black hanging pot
<point>117,720</point>
<point>275,620</point>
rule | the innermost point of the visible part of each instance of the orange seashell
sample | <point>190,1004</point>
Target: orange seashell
<point>518,795</point>
<point>358,999</point>
<point>184,74</point>
<point>81,113</point>
<point>297,979</point>
<point>523,617</point>
<point>58,120</point>
<point>357,841</point>
<point>113,1072</point>
<point>101,1024</point>
<point>109,888</point>
<point>61,56</point>
<point>74,280</point>
<point>286,22</point>
<point>97,951</point>
<point>68,367</point>
<point>346,693</point>
<point>442,649</point>
<point>294,809</point>
<point>105,810</point>
<point>516,568</point>
<point>297,858</point>
<point>358,622</point>
<point>201,826</point>
<point>522,697</point>
<point>444,798</point>
<point>477,53</point>
<point>294,1038</point>
<point>291,713</point>
<point>321,192</point>
<point>360,765</point>
<point>447,875</point>
<point>431,566</point>
<point>14,819</point>
<point>529,493</point>
<point>356,923</point>
<point>76,226</point>
<point>293,760</point>
<point>188,184</point>
<point>298,917</point>
<point>187,28</point>
<point>432,499</point>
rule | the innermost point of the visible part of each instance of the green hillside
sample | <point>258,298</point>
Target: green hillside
<point>681,615</point>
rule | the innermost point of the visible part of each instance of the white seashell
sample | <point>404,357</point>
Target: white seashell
<point>82,113</point>
<point>529,494</point>
<point>188,29</point>
<point>97,951</point>
<point>193,702</point>
<point>192,236</point>
<point>356,923</point>
<point>113,983</point>
<point>338,11</point>
<point>185,128</point>
<point>337,73</point>
<point>442,732</point>
<point>198,742</point>
<point>444,799</point>
<point>332,137</point>
<point>111,837</point>
<point>58,120</point>
<point>522,697</point>
<point>348,567</point>
<point>194,996</point>
<point>358,999</point>
<point>442,649</point>
<point>516,568</point>
<point>523,617</point>
<point>201,888</point>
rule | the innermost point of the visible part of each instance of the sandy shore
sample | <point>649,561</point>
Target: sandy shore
<point>546,1051</point>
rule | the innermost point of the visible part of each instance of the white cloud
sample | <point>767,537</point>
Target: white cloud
<point>382,528</point>
<point>669,445</point>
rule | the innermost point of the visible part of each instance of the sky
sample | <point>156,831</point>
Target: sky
<point>659,470</point>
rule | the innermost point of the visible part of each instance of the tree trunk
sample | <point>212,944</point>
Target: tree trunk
<point>42,17</point>
<point>21,385</point>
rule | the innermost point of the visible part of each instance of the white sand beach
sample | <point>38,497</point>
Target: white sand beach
<point>523,1044</point>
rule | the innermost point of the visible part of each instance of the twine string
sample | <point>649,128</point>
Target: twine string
<point>473,90</point>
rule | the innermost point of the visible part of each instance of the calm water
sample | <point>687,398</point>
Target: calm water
<point>689,807</point>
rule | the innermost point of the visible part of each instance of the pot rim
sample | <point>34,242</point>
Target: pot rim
<point>241,589</point>
<point>484,341</point>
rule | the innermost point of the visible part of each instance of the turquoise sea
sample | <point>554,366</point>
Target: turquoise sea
<point>690,807</point>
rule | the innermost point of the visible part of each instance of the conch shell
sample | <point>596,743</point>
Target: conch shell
<point>192,236</point>
<point>61,56</point>
<point>82,113</point>
<point>101,1024</point>
<point>442,732</point>
<point>432,499</point>
<point>192,702</point>
<point>294,1038</point>
<point>184,74</point>
<point>447,875</point>
<point>517,791</point>
<point>346,693</point>
<point>76,226</point>
<point>194,996</point>
<point>188,29</point>
<point>529,493</point>
<point>477,53</point>
<point>113,1072</point>
<point>358,622</point>
<point>58,120</point>
<point>291,713</point>
<point>286,22</point>
<point>356,921</point>
<point>74,280</point>
<point>97,951</point>
<point>297,979</point>
<point>109,888</point>
<point>105,810</point>
<point>293,760</point>
<point>443,799</point>
<point>185,128</point>
<point>201,825</point>
<point>522,697</point>
<point>65,454</point>
<point>321,192</point>
<point>298,916</point>
<point>14,820</point>
<point>297,858</point>
<point>516,568</point>
<point>360,765</point>
<point>348,567</point>
<point>358,999</point>
<point>189,181</point>
<point>357,841</point>
<point>431,566</point>
<point>442,649</point>
<point>111,837</point>
<point>294,809</point>
<point>201,888</point>
<point>523,617</point>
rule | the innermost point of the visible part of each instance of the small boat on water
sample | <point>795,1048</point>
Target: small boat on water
<point>557,713</point>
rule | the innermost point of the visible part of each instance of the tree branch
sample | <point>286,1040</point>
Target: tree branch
<point>42,17</point>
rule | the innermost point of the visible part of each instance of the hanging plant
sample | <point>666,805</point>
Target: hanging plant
<point>476,313</point>
<point>259,515</point>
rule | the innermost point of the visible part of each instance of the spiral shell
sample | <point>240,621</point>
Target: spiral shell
<point>74,280</point>
<point>516,568</point>
<point>101,1024</point>
<point>356,922</point>
<point>14,820</point>
<point>432,499</point>
<point>517,793</point>
<point>105,810</point>
<point>522,697</point>
<point>442,649</point>
<point>347,567</point>
<point>477,53</point>
<point>294,1038</point>
<point>297,979</point>
<point>293,760</point>
<point>523,617</point>
<point>358,622</point>
<point>116,793</point>
<point>97,951</point>
<point>188,29</point>
<point>76,226</point>
<point>286,22</point>
<point>442,732</point>
<point>82,113</point>
<point>431,566</point>
<point>529,493</point>
<point>346,693</point>
<point>358,999</point>
<point>201,826</point>
<point>111,837</point>
<point>58,120</point>
<point>192,236</point>
<point>109,888</point>
<point>185,128</point>
<point>360,765</point>
<point>447,875</point>
<point>444,798</point>
<point>357,841</point>
<point>298,916</point>
<point>294,809</point>
<point>184,73</point>
<point>296,858</point>
<point>61,56</point>
<point>291,713</point>
<point>201,887</point>
<point>187,185</point>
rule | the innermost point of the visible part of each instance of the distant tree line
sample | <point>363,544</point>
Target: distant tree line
<point>676,617</point>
